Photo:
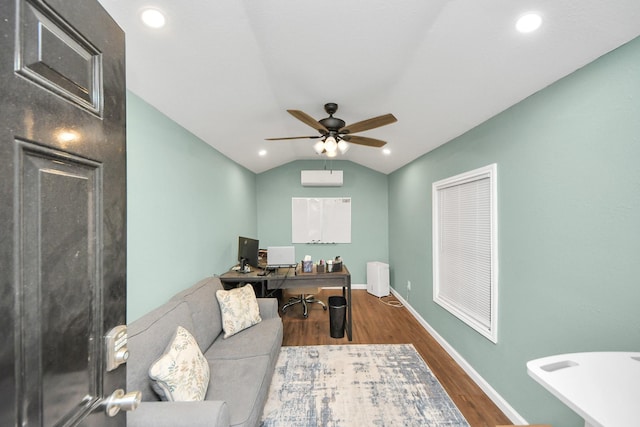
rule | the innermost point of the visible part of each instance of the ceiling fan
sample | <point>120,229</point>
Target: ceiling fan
<point>334,135</point>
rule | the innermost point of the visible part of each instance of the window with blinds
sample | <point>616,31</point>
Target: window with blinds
<point>465,242</point>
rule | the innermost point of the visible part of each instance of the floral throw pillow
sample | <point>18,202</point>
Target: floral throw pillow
<point>182,372</point>
<point>239,309</point>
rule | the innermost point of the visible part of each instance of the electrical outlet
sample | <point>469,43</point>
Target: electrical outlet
<point>408,285</point>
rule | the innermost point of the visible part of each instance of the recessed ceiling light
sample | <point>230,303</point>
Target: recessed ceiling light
<point>529,22</point>
<point>262,153</point>
<point>153,18</point>
<point>386,151</point>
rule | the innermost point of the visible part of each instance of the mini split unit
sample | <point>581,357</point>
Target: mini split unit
<point>321,178</point>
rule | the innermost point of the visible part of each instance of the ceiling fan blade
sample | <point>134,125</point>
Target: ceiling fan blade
<point>372,123</point>
<point>363,140</point>
<point>293,137</point>
<point>308,120</point>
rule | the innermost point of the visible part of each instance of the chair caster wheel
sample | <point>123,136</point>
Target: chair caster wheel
<point>324,308</point>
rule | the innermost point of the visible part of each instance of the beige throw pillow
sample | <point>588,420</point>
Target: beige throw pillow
<point>239,309</point>
<point>181,374</point>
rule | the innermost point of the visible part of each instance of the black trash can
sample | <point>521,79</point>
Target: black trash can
<point>337,316</point>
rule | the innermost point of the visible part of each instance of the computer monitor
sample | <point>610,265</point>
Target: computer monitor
<point>248,251</point>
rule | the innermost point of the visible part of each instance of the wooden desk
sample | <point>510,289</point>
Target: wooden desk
<point>286,278</point>
<point>236,278</point>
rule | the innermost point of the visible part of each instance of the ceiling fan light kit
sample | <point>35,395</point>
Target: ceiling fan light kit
<point>335,136</point>
<point>331,146</point>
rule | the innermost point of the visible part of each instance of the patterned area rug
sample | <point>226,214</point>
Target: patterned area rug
<point>357,385</point>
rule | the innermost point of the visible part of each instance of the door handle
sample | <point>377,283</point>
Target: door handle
<point>120,401</point>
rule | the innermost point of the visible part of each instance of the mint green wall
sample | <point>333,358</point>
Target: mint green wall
<point>569,228</point>
<point>187,204</point>
<point>369,212</point>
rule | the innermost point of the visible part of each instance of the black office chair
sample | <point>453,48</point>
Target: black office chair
<point>303,296</point>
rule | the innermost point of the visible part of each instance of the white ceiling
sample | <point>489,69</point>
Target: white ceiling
<point>228,70</point>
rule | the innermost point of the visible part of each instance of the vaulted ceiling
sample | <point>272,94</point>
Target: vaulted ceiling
<point>228,70</point>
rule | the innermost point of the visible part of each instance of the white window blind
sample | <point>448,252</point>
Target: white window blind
<point>465,248</point>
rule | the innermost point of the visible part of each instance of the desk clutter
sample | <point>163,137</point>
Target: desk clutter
<point>328,266</point>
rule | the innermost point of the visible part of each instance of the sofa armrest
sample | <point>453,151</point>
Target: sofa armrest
<point>268,307</point>
<point>208,413</point>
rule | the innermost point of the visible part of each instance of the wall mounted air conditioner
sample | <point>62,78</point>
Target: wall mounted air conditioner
<point>321,178</point>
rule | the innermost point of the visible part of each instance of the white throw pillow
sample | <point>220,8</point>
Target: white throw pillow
<point>181,374</point>
<point>239,309</point>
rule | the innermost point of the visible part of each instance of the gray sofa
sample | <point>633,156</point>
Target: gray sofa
<point>241,366</point>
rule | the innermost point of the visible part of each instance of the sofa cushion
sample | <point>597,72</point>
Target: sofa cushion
<point>205,311</point>
<point>208,413</point>
<point>243,384</point>
<point>264,339</point>
<point>239,309</point>
<point>182,373</point>
<point>147,339</point>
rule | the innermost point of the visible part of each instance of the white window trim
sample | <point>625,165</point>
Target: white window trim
<point>490,332</point>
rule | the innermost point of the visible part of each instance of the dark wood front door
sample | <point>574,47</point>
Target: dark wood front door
<point>62,212</point>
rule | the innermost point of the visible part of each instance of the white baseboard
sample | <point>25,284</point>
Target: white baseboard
<point>473,374</point>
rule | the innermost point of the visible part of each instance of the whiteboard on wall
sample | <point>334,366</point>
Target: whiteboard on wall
<point>321,220</point>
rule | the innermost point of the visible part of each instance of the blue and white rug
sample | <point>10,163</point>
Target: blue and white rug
<point>357,385</point>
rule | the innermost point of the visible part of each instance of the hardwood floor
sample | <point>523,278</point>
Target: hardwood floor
<point>377,323</point>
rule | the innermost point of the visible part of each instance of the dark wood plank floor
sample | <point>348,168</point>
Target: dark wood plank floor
<point>378,323</point>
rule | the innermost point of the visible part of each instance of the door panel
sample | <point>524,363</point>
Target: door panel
<point>51,53</point>
<point>60,284</point>
<point>63,211</point>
